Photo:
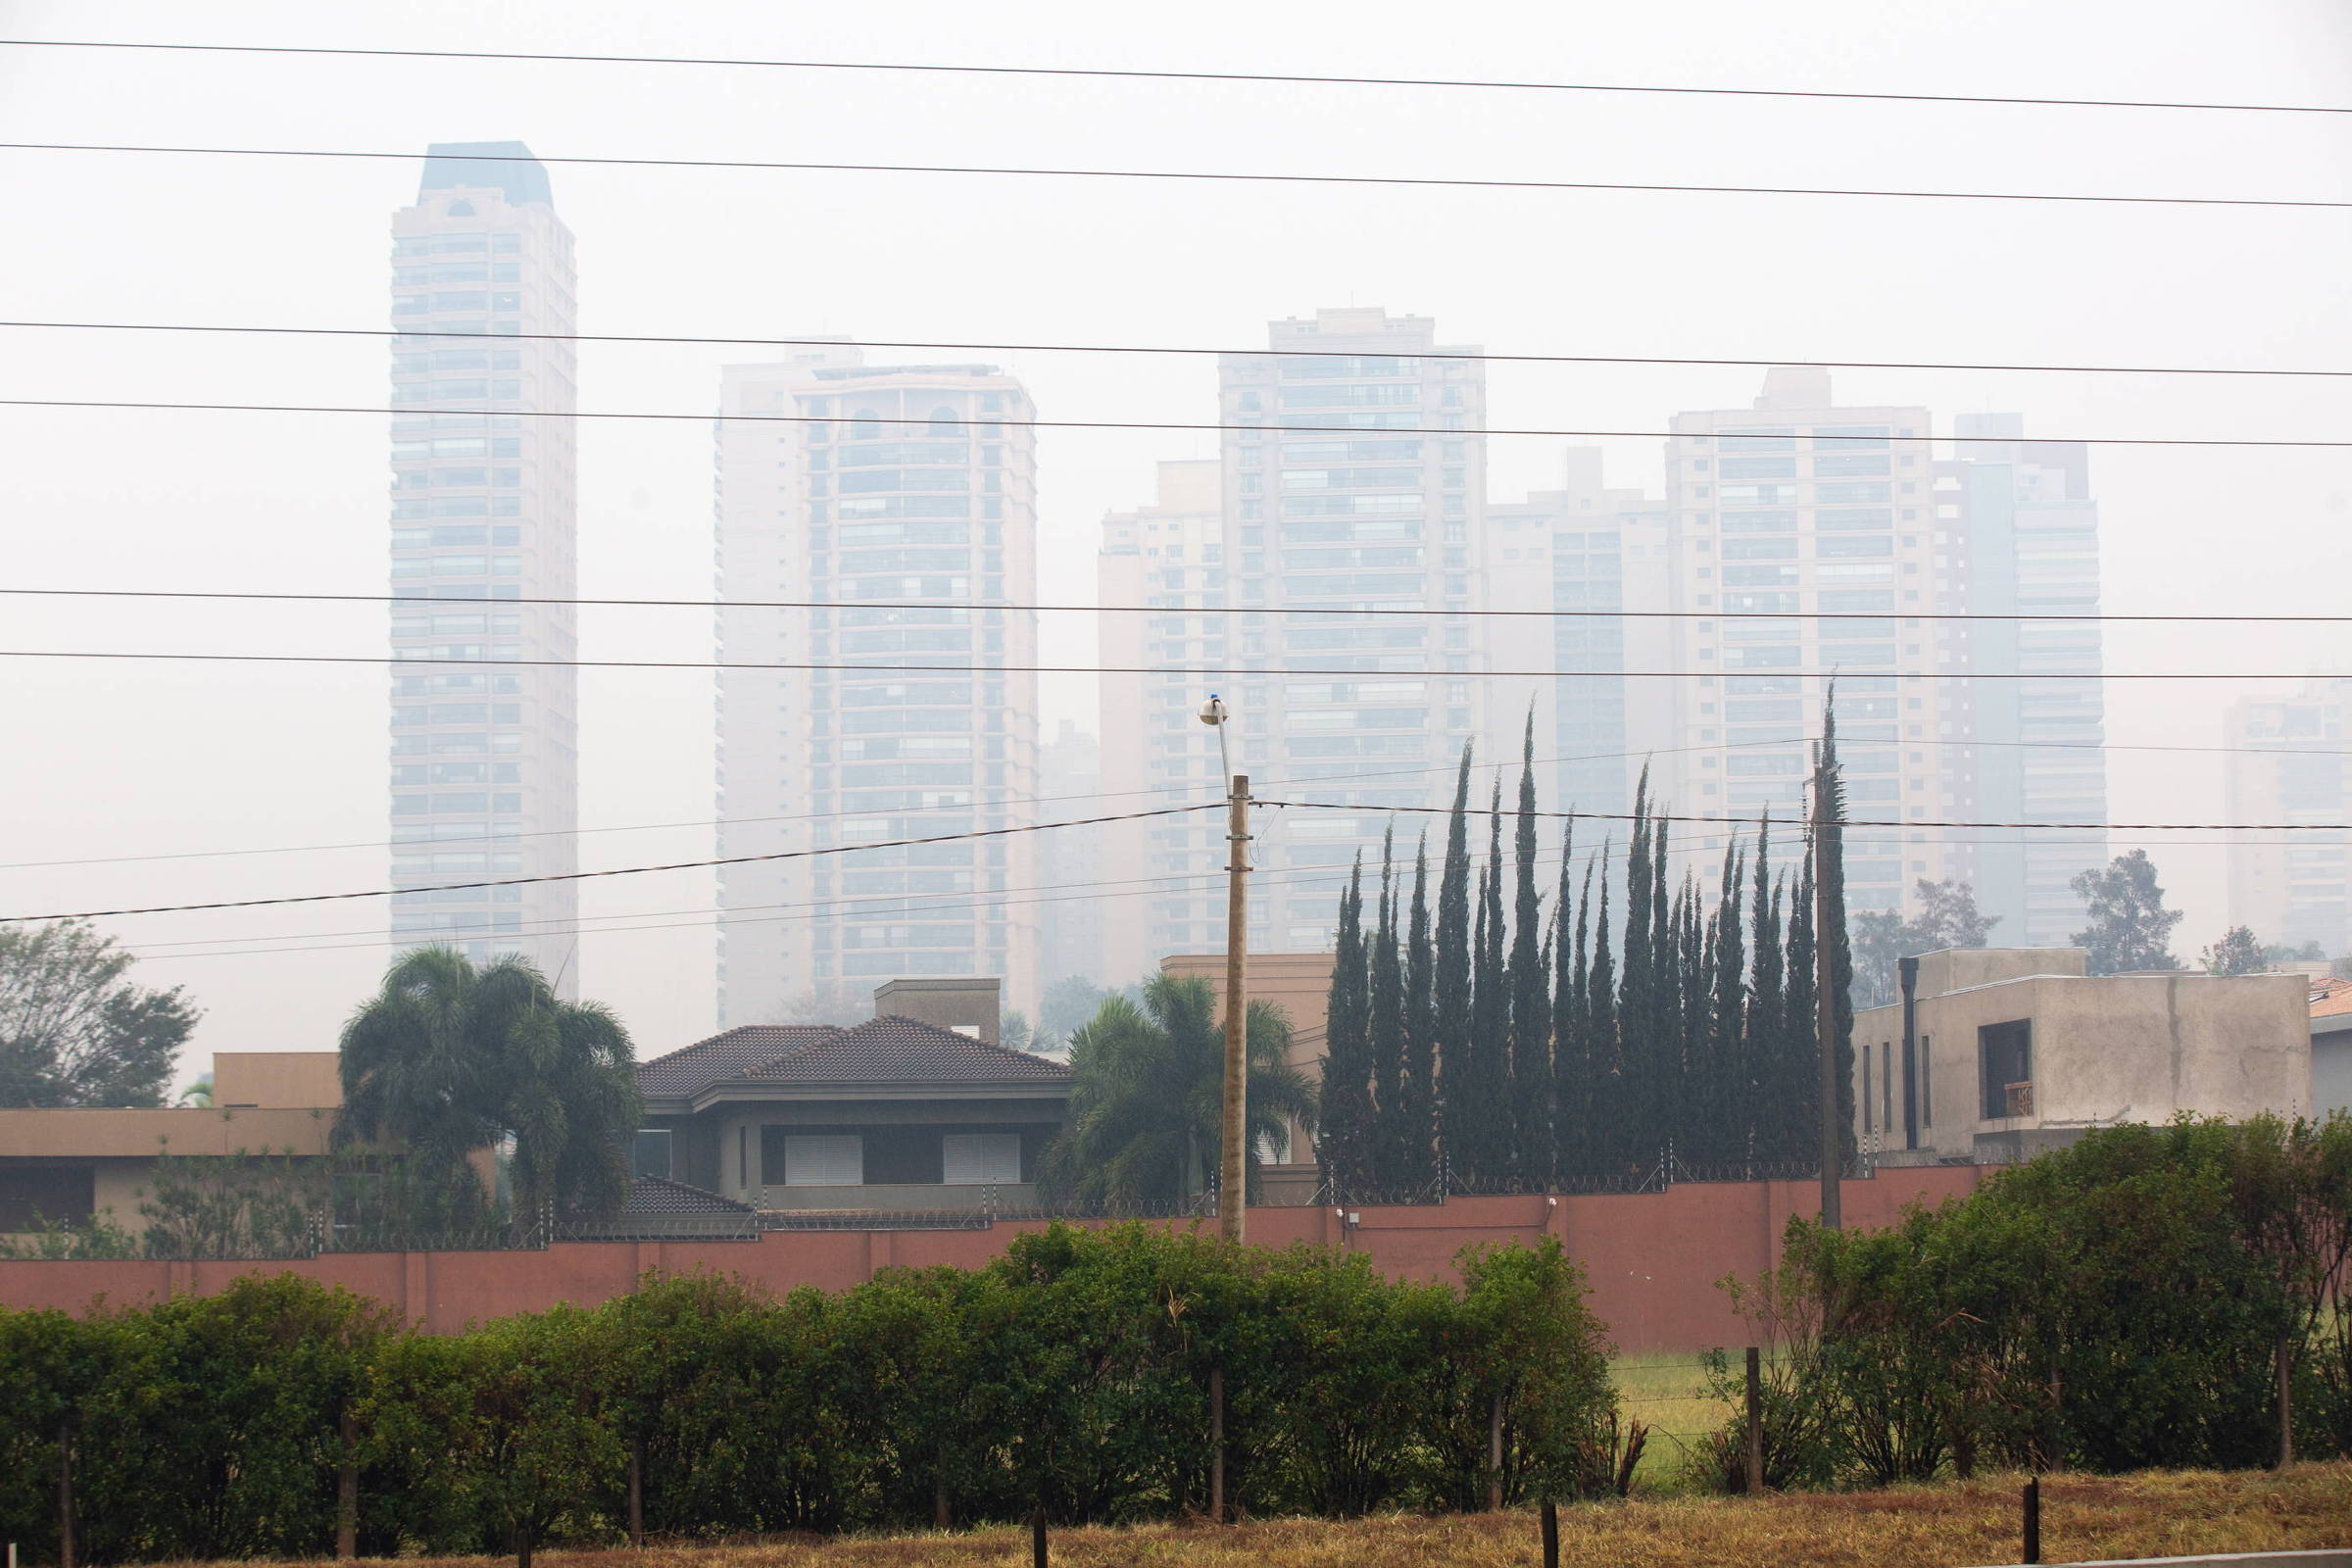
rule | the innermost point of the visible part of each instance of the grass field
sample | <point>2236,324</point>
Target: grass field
<point>1950,1526</point>
<point>1667,1393</point>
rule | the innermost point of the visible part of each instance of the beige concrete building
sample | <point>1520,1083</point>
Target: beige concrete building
<point>75,1165</point>
<point>2002,1053</point>
<point>906,496</point>
<point>2288,764</point>
<point>1793,510</point>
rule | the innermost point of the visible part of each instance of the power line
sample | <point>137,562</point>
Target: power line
<point>416,600</point>
<point>1109,795</point>
<point>1445,357</point>
<point>984,426</point>
<point>1284,78</point>
<point>1218,176</point>
<point>1165,669</point>
<point>928,904</point>
<point>625,870</point>
<point>1801,822</point>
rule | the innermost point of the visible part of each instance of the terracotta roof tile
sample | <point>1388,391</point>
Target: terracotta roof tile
<point>2330,998</point>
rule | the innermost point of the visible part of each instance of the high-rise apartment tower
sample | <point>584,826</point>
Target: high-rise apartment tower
<point>902,499</point>
<point>484,759</point>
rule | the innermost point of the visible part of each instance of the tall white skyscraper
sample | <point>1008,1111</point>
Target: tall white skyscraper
<point>484,760</point>
<point>1811,526</point>
<point>904,500</point>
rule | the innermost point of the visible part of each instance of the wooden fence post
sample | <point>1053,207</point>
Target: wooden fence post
<point>65,1497</point>
<point>1755,1421</point>
<point>637,1492</point>
<point>1216,1445</point>
<point>2033,1519</point>
<point>347,1487</point>
<point>1036,1539</point>
<point>1495,1455</point>
<point>1552,1534</point>
<point>2286,1358</point>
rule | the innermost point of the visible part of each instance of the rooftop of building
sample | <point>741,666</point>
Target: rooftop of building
<point>506,167</point>
<point>888,1050</point>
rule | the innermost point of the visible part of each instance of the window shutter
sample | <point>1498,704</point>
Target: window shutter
<point>972,1159</point>
<point>834,1160</point>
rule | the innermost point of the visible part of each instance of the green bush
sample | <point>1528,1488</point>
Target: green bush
<point>1072,1374</point>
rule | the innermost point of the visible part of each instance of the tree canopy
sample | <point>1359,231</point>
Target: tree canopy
<point>1144,1123</point>
<point>2130,926</point>
<point>2239,952</point>
<point>72,1031</point>
<point>1947,917</point>
<point>450,1058</point>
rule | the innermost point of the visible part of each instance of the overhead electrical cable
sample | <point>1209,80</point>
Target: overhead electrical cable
<point>1804,822</point>
<point>1356,431</point>
<point>1118,74</point>
<point>415,601</point>
<point>625,870</point>
<point>1213,175</point>
<point>1841,673</point>
<point>1439,357</point>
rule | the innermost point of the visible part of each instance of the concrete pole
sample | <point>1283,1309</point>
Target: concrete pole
<point>1234,1167</point>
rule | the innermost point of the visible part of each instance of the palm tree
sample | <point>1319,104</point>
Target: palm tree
<point>1144,1123</point>
<point>449,1059</point>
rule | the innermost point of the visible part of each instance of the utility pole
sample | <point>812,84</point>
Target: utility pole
<point>1825,1003</point>
<point>1232,1166</point>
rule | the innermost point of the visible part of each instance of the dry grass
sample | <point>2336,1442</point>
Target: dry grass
<point>2155,1515</point>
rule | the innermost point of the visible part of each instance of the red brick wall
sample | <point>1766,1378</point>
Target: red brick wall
<point>1652,1259</point>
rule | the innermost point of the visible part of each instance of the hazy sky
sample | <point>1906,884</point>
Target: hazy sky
<point>146,759</point>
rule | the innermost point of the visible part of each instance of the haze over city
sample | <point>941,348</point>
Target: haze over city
<point>142,773</point>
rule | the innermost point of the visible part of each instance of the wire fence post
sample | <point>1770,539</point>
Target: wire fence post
<point>1036,1539</point>
<point>346,1487</point>
<point>2033,1519</point>
<point>2285,1356</point>
<point>1755,1421</point>
<point>1495,1455</point>
<point>1216,1445</point>
<point>1552,1534</point>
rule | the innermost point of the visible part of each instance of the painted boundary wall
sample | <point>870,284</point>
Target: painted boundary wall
<point>1651,1259</point>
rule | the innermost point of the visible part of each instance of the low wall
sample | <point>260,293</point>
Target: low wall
<point>1652,1259</point>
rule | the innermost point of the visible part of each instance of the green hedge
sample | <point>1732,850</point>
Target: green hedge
<point>1071,1373</point>
<point>2119,1304</point>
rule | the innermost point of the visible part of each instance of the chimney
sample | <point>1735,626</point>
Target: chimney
<point>968,1007</point>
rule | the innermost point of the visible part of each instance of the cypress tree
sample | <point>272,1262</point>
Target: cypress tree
<point>1417,1107</point>
<point>1490,1017</point>
<point>1765,1006</point>
<point>1449,1009</point>
<point>1677,1106</point>
<point>1392,1157</point>
<point>1531,992</point>
<point>1638,1032</point>
<point>1605,1091</point>
<point>1571,1112</point>
<point>1347,1108</point>
<point>1831,928</point>
<point>1797,1098</point>
<point>1728,1088</point>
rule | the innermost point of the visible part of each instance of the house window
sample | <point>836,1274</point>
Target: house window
<point>31,1194</point>
<point>828,1161</point>
<point>650,1154</point>
<point>970,1158</point>
<point>2006,1053</point>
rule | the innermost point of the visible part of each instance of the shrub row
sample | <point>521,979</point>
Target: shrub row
<point>1072,1374</point>
<point>2124,1304</point>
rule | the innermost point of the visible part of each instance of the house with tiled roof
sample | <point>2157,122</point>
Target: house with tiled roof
<point>920,1108</point>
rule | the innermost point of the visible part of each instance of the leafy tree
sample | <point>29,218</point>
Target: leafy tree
<point>1017,1033</point>
<point>1530,980</point>
<point>1947,917</point>
<point>2238,952</point>
<point>1146,1121</point>
<point>72,1031</point>
<point>2281,953</point>
<point>449,1059</point>
<point>1069,1002</point>
<point>1415,1114</point>
<point>2130,926</point>
<point>1396,1161</point>
<point>1449,988</point>
<point>1830,931</point>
